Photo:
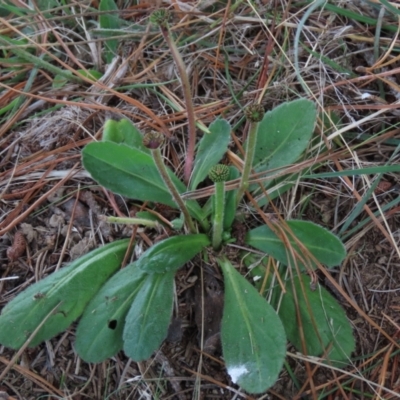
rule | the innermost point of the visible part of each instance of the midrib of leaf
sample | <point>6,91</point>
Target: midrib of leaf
<point>153,290</point>
<point>277,149</point>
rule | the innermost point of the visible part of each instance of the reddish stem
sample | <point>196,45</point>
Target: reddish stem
<point>188,100</point>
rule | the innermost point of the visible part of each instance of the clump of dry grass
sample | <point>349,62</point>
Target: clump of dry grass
<point>342,56</point>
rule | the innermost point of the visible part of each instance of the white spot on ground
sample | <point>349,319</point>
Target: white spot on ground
<point>236,372</point>
<point>365,96</point>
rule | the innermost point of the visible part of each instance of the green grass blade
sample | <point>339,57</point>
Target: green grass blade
<point>367,171</point>
<point>37,61</point>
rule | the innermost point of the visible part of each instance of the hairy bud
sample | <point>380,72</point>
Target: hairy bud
<point>254,113</point>
<point>219,173</point>
<point>153,140</point>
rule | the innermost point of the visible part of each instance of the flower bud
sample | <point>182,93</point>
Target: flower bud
<point>160,17</point>
<point>254,113</point>
<point>153,140</point>
<point>219,173</point>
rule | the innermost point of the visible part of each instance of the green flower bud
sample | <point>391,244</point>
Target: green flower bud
<point>219,173</point>
<point>254,113</point>
<point>160,17</point>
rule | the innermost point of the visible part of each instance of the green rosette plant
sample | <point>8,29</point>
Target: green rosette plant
<point>130,309</point>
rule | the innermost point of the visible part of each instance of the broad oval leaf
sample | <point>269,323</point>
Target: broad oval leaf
<point>252,335</point>
<point>71,288</point>
<point>127,171</point>
<point>321,243</point>
<point>172,253</point>
<point>211,149</point>
<point>123,132</point>
<point>283,134</point>
<point>132,173</point>
<point>147,322</point>
<point>99,333</point>
<point>327,331</point>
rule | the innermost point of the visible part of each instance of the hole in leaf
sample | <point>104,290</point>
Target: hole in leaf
<point>112,324</point>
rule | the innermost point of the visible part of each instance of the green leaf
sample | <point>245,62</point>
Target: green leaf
<point>321,243</point>
<point>382,169</point>
<point>253,337</point>
<point>283,134</point>
<point>130,172</point>
<point>46,5</point>
<point>390,7</point>
<point>124,132</point>
<point>230,202</point>
<point>148,319</point>
<point>330,63</point>
<point>109,21</point>
<point>172,253</point>
<point>60,80</point>
<point>177,223</point>
<point>324,322</point>
<point>7,9</point>
<point>91,74</point>
<point>38,62</point>
<point>147,215</point>
<point>72,286</point>
<point>211,149</point>
<point>99,333</point>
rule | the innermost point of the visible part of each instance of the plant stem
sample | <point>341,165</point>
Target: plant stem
<point>219,174</point>
<point>188,100</point>
<point>172,188</point>
<point>248,160</point>
<point>128,220</point>
<point>219,211</point>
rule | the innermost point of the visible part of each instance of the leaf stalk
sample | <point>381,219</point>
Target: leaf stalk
<point>129,221</point>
